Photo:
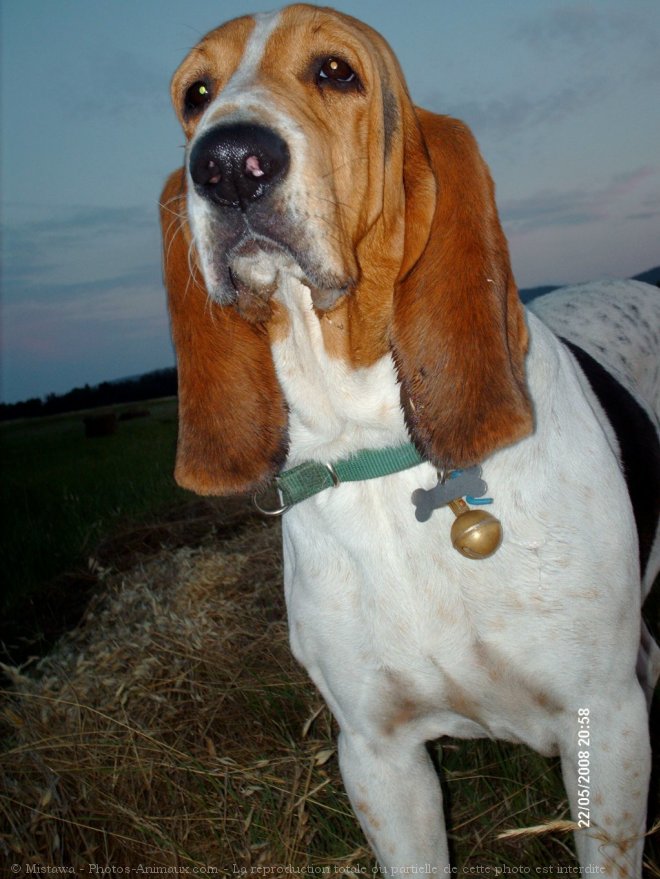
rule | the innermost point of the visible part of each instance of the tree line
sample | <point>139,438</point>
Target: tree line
<point>159,383</point>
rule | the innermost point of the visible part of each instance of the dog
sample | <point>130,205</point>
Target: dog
<point>347,326</point>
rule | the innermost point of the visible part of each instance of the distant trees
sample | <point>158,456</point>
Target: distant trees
<point>159,383</point>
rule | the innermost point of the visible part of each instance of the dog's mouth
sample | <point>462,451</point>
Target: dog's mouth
<point>257,266</point>
<point>254,267</point>
<point>246,255</point>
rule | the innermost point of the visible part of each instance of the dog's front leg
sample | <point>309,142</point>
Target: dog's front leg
<point>396,795</point>
<point>606,760</point>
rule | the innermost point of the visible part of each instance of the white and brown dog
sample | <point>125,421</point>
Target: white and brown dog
<point>340,288</point>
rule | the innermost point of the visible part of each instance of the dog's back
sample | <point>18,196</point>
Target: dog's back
<point>618,324</point>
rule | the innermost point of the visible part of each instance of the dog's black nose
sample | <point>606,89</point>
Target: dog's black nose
<point>236,164</point>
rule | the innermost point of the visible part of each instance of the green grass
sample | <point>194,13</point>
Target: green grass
<point>62,492</point>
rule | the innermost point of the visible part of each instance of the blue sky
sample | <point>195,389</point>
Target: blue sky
<point>563,97</point>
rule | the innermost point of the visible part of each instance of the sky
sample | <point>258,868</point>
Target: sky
<point>562,96</point>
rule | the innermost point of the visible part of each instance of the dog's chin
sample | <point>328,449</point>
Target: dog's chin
<point>251,273</point>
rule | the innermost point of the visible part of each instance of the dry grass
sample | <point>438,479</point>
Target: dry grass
<point>172,728</point>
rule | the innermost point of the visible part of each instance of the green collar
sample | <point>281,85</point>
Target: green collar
<point>476,534</point>
<point>312,477</point>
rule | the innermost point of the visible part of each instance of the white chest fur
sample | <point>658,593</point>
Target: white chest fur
<point>392,624</point>
<point>334,409</point>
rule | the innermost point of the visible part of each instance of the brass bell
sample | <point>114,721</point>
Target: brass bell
<point>476,534</point>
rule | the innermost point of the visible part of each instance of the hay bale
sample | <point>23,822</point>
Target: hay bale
<point>172,726</point>
<point>100,424</point>
<point>173,729</point>
<point>134,412</point>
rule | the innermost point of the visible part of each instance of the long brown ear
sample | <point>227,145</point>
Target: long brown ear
<point>459,334</point>
<point>232,415</point>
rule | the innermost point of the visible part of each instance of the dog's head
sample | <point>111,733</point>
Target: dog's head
<point>306,157</point>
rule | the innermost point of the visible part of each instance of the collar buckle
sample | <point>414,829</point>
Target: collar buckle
<point>258,497</point>
<point>333,474</point>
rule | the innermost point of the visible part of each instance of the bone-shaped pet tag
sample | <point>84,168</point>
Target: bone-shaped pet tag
<point>466,482</point>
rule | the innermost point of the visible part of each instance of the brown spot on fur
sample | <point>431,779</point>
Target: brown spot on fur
<point>544,700</point>
<point>489,660</point>
<point>278,325</point>
<point>497,669</point>
<point>363,807</point>
<point>598,799</point>
<point>334,328</point>
<point>482,654</point>
<point>459,700</point>
<point>402,707</point>
<point>461,704</point>
<point>404,712</point>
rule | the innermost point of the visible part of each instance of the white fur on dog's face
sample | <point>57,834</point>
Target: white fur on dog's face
<point>310,223</point>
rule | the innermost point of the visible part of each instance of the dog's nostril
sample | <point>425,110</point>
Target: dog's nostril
<point>216,176</point>
<point>252,166</point>
<point>237,164</point>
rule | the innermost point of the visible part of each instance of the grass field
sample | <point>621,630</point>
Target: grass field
<point>61,493</point>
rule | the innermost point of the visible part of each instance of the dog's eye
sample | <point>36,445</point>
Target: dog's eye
<point>197,97</point>
<point>334,71</point>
